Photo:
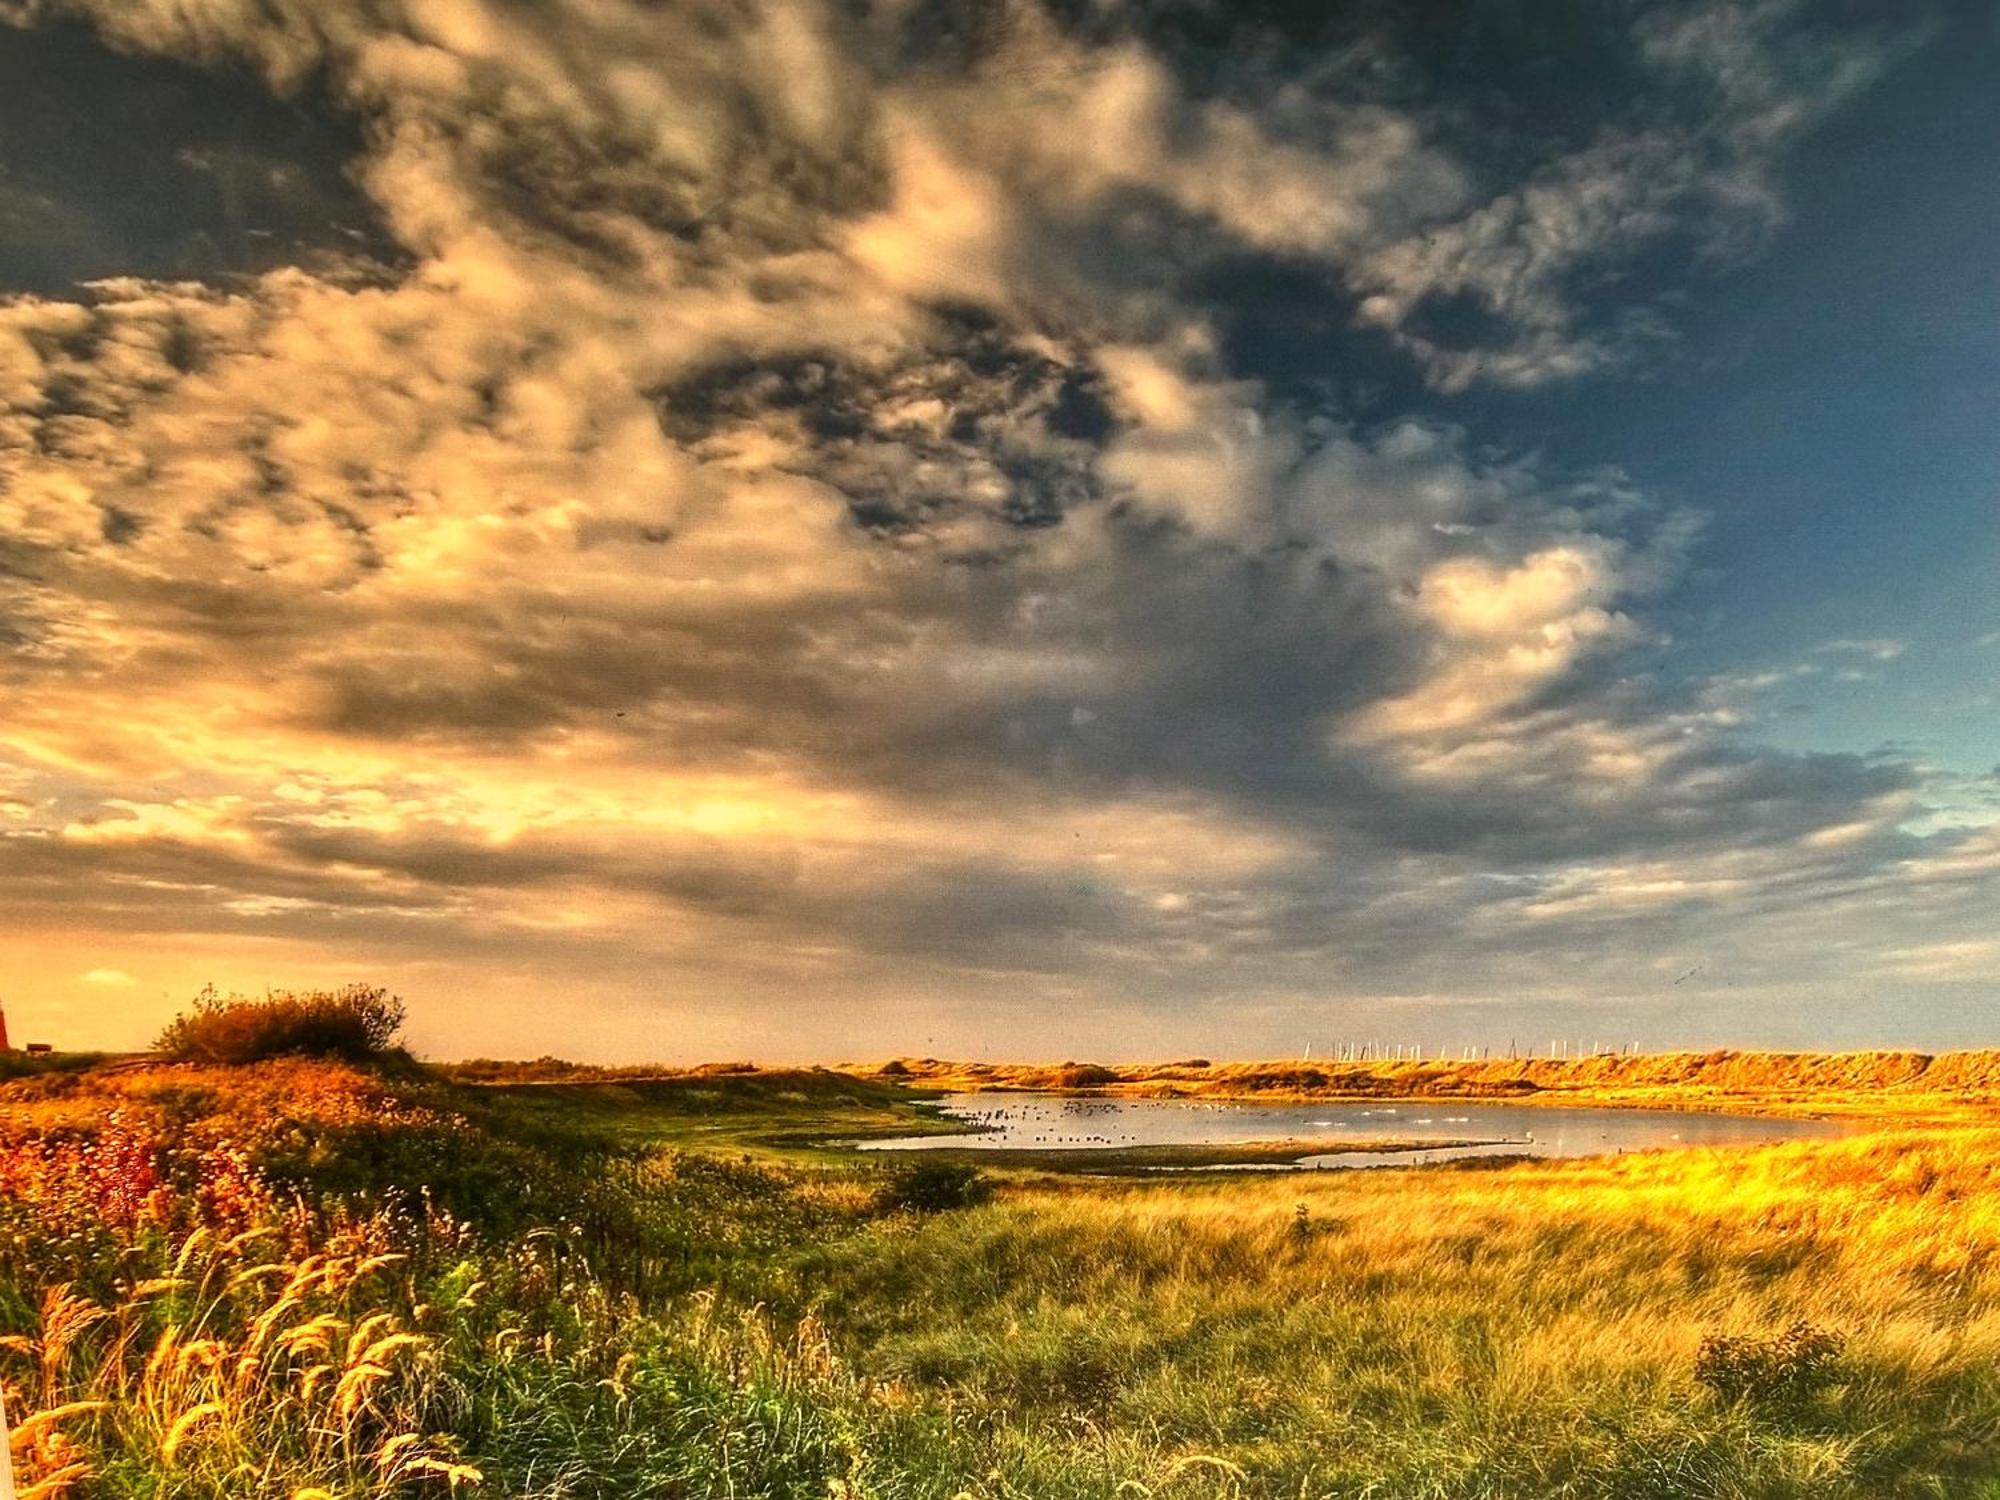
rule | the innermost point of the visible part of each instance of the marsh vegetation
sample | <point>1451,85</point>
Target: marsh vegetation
<point>322,1280</point>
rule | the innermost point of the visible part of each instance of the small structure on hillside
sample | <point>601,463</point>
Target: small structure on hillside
<point>33,1049</point>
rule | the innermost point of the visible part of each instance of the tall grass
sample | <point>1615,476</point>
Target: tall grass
<point>1527,1331</point>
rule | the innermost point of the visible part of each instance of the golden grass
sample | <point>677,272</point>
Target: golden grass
<point>232,1373</point>
<point>1485,1332</point>
<point>1505,1331</point>
<point>1954,1085</point>
<point>329,1092</point>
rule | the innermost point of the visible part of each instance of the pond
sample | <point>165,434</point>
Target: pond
<point>1457,1128</point>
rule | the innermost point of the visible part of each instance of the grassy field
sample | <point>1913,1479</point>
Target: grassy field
<point>317,1280</point>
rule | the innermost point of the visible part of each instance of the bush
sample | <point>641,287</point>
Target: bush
<point>358,1022</point>
<point>1076,1075</point>
<point>935,1187</point>
<point>1782,1371</point>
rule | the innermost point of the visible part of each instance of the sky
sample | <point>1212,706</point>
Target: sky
<point>822,529</point>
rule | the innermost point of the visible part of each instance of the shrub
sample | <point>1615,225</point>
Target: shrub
<point>1781,1371</point>
<point>935,1187</point>
<point>357,1023</point>
<point>1076,1075</point>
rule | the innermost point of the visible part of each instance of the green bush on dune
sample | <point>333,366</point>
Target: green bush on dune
<point>1783,1371</point>
<point>356,1022</point>
<point>935,1187</point>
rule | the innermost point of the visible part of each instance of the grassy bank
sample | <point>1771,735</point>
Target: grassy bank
<point>1141,1160</point>
<point>312,1280</point>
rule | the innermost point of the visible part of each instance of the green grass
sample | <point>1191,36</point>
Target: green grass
<point>25,1065</point>
<point>658,1287</point>
<point>794,1115</point>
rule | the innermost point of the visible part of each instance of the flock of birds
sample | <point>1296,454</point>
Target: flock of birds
<point>1020,1122</point>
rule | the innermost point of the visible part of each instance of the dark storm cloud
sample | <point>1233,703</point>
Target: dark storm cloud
<point>118,165</point>
<point>983,421</point>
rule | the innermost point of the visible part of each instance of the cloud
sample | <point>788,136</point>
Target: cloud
<point>790,524</point>
<point>1519,264</point>
<point>1503,633</point>
<point>112,978</point>
<point>1881,649</point>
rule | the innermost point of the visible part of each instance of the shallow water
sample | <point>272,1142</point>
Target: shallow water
<point>1057,1122</point>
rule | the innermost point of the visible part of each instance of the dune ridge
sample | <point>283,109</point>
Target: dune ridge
<point>1726,1077</point>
